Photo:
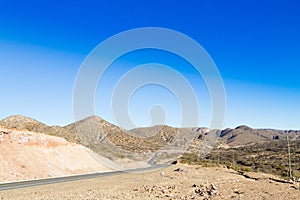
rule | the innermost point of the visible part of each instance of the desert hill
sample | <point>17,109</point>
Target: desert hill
<point>20,122</point>
<point>29,155</point>
<point>244,135</point>
<point>93,130</point>
<point>232,147</point>
<point>107,139</point>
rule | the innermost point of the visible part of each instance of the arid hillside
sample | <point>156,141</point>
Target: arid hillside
<point>245,136</point>
<point>93,130</point>
<point>26,155</point>
<point>242,148</point>
<point>112,141</point>
<point>20,122</point>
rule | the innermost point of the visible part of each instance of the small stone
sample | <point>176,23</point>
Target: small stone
<point>178,170</point>
<point>238,192</point>
<point>169,195</point>
<point>198,191</point>
<point>213,187</point>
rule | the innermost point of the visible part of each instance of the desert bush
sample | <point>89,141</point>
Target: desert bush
<point>246,169</point>
<point>255,157</point>
<point>280,167</point>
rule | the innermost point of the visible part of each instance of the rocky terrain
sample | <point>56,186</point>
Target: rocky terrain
<point>111,141</point>
<point>26,155</point>
<point>242,148</point>
<point>94,130</point>
<point>245,136</point>
<point>176,182</point>
<point>20,122</point>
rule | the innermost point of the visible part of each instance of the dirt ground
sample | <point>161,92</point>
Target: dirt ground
<point>175,182</point>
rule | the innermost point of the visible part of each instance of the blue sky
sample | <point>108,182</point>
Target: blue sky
<point>255,44</point>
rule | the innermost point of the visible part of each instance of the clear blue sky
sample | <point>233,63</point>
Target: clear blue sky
<point>255,44</point>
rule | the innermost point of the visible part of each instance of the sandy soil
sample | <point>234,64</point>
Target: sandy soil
<point>175,182</point>
<point>28,155</point>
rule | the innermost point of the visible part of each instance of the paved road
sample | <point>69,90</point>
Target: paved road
<point>22,184</point>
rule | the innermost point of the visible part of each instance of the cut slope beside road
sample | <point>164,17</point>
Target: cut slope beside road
<point>26,155</point>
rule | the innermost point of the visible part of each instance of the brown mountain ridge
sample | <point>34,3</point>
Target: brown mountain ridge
<point>114,142</point>
<point>239,148</point>
<point>94,129</point>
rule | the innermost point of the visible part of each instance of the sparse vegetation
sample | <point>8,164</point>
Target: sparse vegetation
<point>269,157</point>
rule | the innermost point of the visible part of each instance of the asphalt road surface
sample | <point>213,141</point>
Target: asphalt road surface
<point>22,184</point>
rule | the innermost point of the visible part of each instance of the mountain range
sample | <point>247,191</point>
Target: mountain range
<point>149,145</point>
<point>114,142</point>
